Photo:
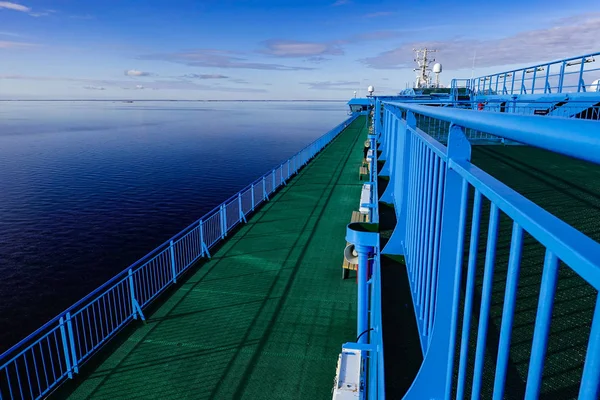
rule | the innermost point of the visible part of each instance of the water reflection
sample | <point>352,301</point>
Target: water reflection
<point>86,188</point>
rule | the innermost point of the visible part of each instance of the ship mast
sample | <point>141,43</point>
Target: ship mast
<point>423,78</point>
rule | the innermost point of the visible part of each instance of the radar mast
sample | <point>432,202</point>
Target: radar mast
<point>423,70</point>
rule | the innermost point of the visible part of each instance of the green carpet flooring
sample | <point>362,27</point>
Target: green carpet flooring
<point>265,318</point>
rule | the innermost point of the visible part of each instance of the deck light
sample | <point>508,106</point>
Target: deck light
<point>577,62</point>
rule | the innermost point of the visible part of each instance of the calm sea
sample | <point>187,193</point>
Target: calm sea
<point>87,188</point>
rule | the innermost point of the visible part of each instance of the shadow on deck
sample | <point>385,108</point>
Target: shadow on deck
<point>265,317</point>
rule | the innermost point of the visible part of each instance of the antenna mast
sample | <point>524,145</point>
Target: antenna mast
<point>423,70</point>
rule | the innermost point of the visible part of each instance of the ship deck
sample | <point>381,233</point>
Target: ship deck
<point>266,316</point>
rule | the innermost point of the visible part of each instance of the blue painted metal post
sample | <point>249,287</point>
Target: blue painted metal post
<point>430,383</point>
<point>72,342</point>
<point>510,298</point>
<point>134,303</point>
<point>274,176</point>
<point>397,190</point>
<point>63,335</point>
<point>580,84</point>
<point>365,239</point>
<point>387,133</point>
<point>295,166</point>
<point>362,322</point>
<point>242,215</point>
<point>201,237</point>
<point>265,195</point>
<point>223,216</point>
<point>173,270</point>
<point>542,326</point>
<point>390,145</point>
<point>590,380</point>
<point>377,128</point>
<point>252,195</point>
<point>512,85</point>
<point>202,244</point>
<point>486,300</point>
<point>561,77</point>
<point>288,169</point>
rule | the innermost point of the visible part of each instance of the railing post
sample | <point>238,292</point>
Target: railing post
<point>203,247</point>
<point>561,77</point>
<point>242,215</point>
<point>66,351</point>
<point>135,306</point>
<point>288,168</point>
<point>265,195</point>
<point>72,342</point>
<point>431,383</point>
<point>281,173</point>
<point>223,215</point>
<point>201,236</point>
<point>580,84</point>
<point>590,379</point>
<point>397,190</point>
<point>273,175</point>
<point>172,251</point>
<point>252,195</point>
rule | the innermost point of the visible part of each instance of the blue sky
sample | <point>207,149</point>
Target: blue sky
<point>268,49</point>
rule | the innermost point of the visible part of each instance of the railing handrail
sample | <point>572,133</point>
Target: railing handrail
<point>108,284</point>
<point>571,137</point>
<point>565,60</point>
<point>491,82</point>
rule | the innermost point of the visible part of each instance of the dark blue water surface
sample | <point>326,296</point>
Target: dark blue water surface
<point>87,188</point>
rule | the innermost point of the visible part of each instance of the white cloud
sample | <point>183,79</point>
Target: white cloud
<point>341,3</point>
<point>135,72</point>
<point>379,14</point>
<point>20,7</point>
<point>205,76</point>
<point>524,47</point>
<point>332,85</point>
<point>11,34</point>
<point>215,58</point>
<point>292,48</point>
<point>126,85</point>
<point>15,45</point>
<point>14,6</point>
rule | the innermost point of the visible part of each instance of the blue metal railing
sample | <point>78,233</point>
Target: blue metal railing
<point>42,361</point>
<point>576,74</point>
<point>580,107</point>
<point>429,187</point>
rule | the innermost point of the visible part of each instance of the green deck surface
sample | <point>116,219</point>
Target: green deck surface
<point>266,317</point>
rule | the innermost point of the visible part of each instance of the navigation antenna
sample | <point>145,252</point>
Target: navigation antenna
<point>423,78</point>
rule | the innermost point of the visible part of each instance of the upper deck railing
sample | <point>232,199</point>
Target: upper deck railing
<point>576,74</point>
<point>38,364</point>
<point>432,188</point>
